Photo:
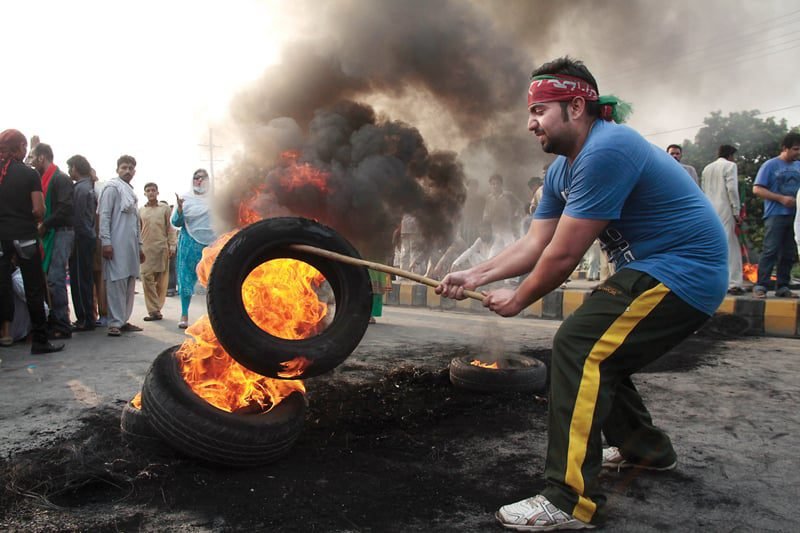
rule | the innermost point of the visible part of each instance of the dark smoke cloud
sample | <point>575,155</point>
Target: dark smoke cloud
<point>381,168</point>
<point>376,170</point>
<point>446,48</point>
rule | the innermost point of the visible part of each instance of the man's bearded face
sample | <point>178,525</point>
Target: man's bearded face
<point>547,122</point>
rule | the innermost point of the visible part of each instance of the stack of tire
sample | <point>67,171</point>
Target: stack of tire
<point>171,412</point>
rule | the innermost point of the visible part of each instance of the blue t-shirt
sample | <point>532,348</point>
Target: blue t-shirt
<point>779,177</point>
<point>660,222</point>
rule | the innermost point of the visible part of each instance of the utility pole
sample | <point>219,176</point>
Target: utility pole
<point>211,159</point>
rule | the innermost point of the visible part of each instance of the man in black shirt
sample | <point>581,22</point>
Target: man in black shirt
<point>21,206</point>
<point>57,235</point>
<point>84,204</point>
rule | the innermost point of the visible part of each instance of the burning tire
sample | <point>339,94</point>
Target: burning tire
<point>198,429</point>
<point>136,427</point>
<point>516,373</point>
<point>253,347</point>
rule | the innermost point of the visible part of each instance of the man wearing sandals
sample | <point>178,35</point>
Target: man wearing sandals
<point>720,183</point>
<point>669,249</point>
<point>158,243</point>
<point>120,237</point>
<point>777,183</point>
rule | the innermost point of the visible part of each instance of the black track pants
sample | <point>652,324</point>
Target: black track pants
<point>628,322</point>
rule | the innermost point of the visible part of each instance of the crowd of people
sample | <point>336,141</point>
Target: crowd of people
<point>492,222</point>
<point>69,233</point>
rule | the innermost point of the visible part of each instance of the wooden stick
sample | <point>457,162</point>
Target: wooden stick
<point>377,266</point>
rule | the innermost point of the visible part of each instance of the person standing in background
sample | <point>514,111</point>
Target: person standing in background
<point>158,243</point>
<point>21,208</point>
<point>777,183</point>
<point>192,215</point>
<point>84,209</point>
<point>58,235</point>
<point>676,152</point>
<point>99,303</point>
<point>120,235</point>
<point>720,183</point>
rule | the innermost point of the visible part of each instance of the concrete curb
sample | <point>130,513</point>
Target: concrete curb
<point>772,317</point>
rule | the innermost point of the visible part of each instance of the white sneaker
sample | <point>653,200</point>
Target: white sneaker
<point>537,514</point>
<point>612,458</point>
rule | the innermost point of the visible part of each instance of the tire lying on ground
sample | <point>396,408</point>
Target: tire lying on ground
<point>515,373</point>
<point>253,347</point>
<point>136,428</point>
<point>198,429</point>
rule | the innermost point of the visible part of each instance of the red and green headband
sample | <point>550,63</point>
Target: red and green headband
<point>563,88</point>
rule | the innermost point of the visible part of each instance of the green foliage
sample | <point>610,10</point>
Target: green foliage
<point>757,140</point>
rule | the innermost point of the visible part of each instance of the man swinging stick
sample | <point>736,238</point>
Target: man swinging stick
<point>670,253</point>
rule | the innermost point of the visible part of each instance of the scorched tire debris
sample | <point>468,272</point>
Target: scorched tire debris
<point>253,347</point>
<point>198,429</point>
<point>516,373</point>
<point>136,428</point>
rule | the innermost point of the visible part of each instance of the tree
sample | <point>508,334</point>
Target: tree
<point>757,140</point>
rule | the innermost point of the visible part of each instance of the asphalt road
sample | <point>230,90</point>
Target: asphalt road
<point>41,395</point>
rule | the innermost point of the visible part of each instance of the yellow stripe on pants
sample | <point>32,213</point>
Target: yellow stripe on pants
<point>583,413</point>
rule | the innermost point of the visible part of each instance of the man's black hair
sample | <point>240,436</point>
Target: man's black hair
<point>671,146</point>
<point>570,67</point>
<point>790,140</point>
<point>126,159</point>
<point>150,184</point>
<point>43,149</point>
<point>81,165</point>
<point>726,150</point>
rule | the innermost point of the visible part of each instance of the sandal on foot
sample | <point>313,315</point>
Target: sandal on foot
<point>114,332</point>
<point>183,324</point>
<point>153,316</point>
<point>759,294</point>
<point>6,341</point>
<point>130,327</point>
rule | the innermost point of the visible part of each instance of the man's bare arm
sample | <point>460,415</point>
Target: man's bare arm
<point>572,238</point>
<point>766,194</point>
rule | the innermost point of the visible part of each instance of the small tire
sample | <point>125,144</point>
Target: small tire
<point>516,373</point>
<point>136,428</point>
<point>196,428</point>
<point>253,347</point>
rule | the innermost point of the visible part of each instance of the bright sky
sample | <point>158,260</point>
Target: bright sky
<point>145,78</point>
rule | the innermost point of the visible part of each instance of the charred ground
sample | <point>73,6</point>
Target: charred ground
<point>381,451</point>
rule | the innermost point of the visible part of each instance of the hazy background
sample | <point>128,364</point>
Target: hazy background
<point>152,78</point>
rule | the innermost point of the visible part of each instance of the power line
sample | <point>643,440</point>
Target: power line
<point>701,125</point>
<point>740,39</point>
<point>724,59</point>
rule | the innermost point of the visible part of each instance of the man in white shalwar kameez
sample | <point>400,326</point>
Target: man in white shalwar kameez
<point>720,184</point>
<point>484,248</point>
<point>120,239</point>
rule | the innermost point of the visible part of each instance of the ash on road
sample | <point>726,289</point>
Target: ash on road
<point>390,445</point>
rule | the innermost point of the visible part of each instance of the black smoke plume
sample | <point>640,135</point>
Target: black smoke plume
<point>315,101</point>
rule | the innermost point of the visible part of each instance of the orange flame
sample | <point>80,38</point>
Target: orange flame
<point>214,376</point>
<point>750,272</point>
<point>476,362</point>
<point>137,401</point>
<point>300,174</point>
<point>248,214</point>
<point>281,298</point>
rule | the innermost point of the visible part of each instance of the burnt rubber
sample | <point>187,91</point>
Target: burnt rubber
<point>196,428</point>
<point>253,347</point>
<point>516,373</point>
<point>136,427</point>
